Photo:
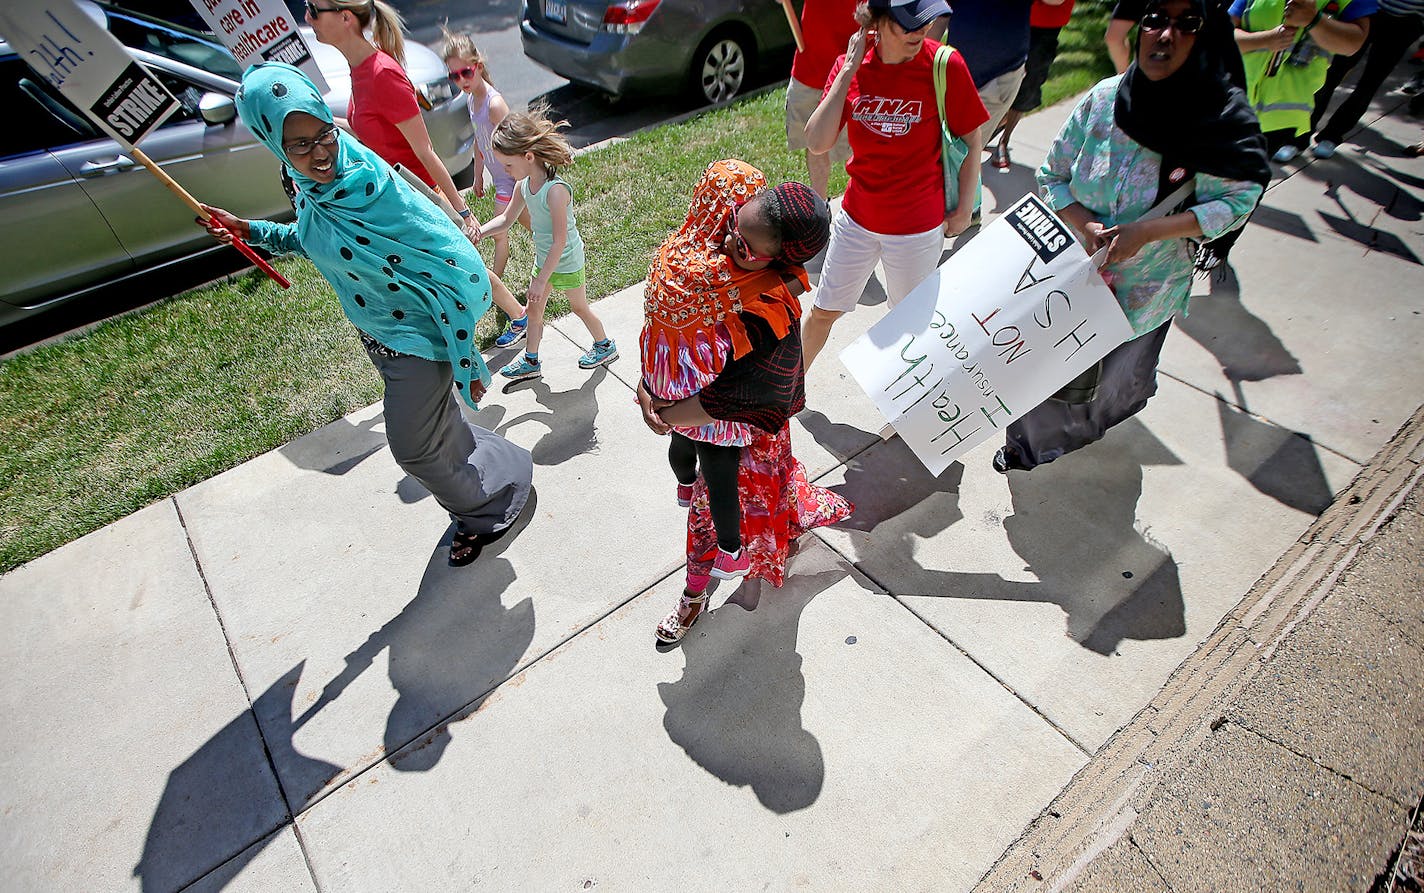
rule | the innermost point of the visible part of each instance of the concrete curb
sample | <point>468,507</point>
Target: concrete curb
<point>1101,803</point>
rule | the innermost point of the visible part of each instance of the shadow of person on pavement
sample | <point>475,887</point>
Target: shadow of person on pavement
<point>1003,188</point>
<point>1390,197</point>
<point>447,650</point>
<point>1242,342</point>
<point>887,482</point>
<point>222,802</point>
<point>1279,463</point>
<point>1073,522</point>
<point>570,419</point>
<point>354,444</point>
<point>837,438</point>
<point>736,711</point>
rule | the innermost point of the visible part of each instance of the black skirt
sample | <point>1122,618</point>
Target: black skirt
<point>1054,428</point>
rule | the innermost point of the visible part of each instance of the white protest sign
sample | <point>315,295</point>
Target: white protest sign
<point>260,31</point>
<point>77,55</point>
<point>1008,320</point>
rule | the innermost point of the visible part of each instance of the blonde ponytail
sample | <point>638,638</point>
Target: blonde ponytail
<point>387,29</point>
<point>387,26</point>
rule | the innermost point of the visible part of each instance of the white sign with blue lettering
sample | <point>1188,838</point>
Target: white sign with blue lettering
<point>1009,319</point>
<point>77,56</point>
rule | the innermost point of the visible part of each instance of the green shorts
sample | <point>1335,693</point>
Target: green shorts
<point>566,281</point>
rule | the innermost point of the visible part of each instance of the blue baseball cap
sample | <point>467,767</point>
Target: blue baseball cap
<point>912,15</point>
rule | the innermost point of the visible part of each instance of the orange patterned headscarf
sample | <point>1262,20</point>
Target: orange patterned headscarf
<point>692,286</point>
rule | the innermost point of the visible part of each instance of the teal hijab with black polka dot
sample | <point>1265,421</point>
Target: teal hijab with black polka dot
<point>404,273</point>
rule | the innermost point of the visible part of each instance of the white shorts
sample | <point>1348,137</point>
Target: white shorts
<point>801,101</point>
<point>853,253</point>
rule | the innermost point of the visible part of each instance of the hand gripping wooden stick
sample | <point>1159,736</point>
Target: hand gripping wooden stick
<point>198,209</point>
<point>795,24</point>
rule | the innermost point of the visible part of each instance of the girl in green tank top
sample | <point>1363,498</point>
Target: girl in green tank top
<point>529,147</point>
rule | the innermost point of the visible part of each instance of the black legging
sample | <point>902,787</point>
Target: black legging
<point>720,465</point>
<point>1390,38</point>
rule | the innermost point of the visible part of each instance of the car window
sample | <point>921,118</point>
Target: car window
<point>174,43</point>
<point>188,97</point>
<point>30,126</point>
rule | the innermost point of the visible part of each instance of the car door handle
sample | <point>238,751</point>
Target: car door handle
<point>118,163</point>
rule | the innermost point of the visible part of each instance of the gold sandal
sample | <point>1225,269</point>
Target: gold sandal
<point>673,627</point>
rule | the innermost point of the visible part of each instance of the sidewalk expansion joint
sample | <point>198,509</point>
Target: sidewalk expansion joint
<point>1255,416</point>
<point>459,713</point>
<point>967,656</point>
<point>247,694</point>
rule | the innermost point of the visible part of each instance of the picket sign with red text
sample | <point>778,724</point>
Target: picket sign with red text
<point>1011,317</point>
<point>81,59</point>
<point>260,31</point>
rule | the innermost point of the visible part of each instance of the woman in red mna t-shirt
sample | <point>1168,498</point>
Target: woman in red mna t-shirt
<point>882,93</point>
<point>384,113</point>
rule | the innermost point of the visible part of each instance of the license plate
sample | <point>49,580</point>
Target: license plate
<point>556,11</point>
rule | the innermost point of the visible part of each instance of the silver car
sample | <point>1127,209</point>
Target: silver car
<point>708,48</point>
<point>76,213</point>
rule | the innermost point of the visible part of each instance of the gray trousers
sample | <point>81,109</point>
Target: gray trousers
<point>480,478</point>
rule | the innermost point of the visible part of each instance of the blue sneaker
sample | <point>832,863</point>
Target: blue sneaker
<point>513,333</point>
<point>522,368</point>
<point>601,353</point>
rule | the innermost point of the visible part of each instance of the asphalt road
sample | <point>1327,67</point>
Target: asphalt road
<point>592,115</point>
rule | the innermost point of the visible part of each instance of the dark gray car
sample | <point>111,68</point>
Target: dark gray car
<point>77,213</point>
<point>709,49</point>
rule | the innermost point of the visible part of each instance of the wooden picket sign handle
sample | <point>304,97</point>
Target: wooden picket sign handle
<point>202,213</point>
<point>795,24</point>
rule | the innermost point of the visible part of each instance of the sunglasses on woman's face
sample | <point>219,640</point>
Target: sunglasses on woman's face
<point>463,74</point>
<point>325,137</point>
<point>1189,23</point>
<point>743,248</point>
<point>315,11</point>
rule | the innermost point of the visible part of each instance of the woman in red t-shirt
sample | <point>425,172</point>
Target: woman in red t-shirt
<point>882,93</point>
<point>384,112</point>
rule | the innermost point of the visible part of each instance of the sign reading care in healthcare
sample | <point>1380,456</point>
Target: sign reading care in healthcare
<point>77,55</point>
<point>1008,320</point>
<point>260,31</point>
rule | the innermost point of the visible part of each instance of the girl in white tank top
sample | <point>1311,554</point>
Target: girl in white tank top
<point>487,108</point>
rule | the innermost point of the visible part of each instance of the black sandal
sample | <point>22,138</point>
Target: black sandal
<point>464,548</point>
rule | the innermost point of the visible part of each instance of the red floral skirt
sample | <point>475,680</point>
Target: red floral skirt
<point>778,505</point>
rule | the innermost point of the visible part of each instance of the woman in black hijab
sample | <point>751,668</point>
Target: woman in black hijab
<point>1160,166</point>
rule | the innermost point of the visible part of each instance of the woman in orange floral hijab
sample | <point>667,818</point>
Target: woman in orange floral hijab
<point>722,372</point>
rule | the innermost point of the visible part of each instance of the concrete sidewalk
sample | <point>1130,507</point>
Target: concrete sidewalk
<point>260,684</point>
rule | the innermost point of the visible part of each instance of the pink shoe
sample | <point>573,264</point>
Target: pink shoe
<point>684,495</point>
<point>729,566</point>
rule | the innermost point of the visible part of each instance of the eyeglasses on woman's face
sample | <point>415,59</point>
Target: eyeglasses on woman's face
<point>325,137</point>
<point>1187,23</point>
<point>315,11</point>
<point>463,74</point>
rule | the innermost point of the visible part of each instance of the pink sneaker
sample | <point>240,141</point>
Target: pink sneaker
<point>729,566</point>
<point>684,495</point>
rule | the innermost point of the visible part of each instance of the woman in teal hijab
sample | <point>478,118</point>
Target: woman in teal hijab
<point>413,286</point>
